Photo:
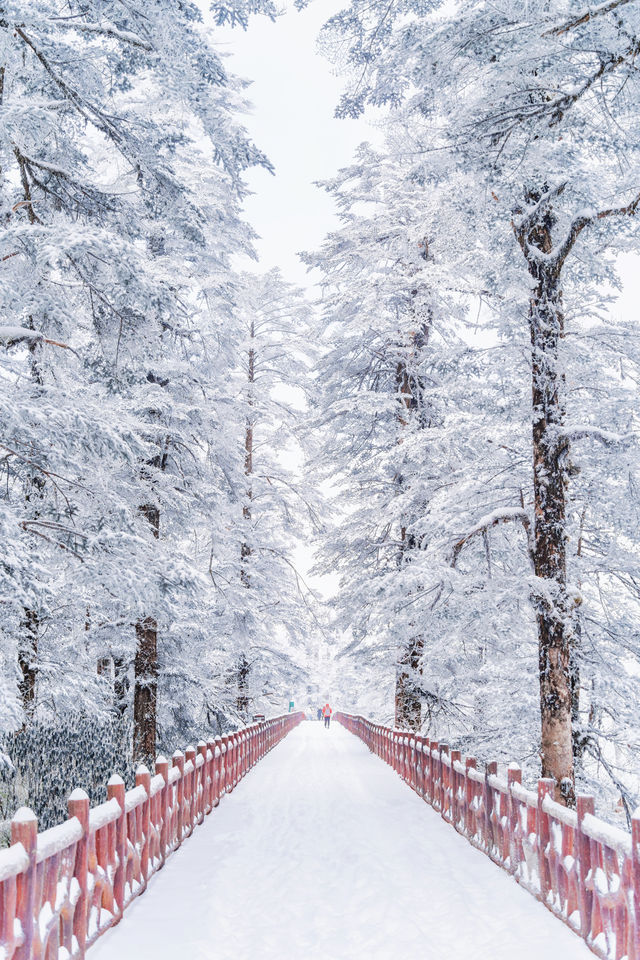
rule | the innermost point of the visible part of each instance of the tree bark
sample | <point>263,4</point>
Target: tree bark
<point>145,691</point>
<point>550,457</point>
<point>243,699</point>
<point>29,640</point>
<point>121,685</point>
<point>410,388</point>
<point>408,698</point>
<point>27,661</point>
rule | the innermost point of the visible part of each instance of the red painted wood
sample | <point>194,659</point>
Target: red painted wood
<point>79,807</point>
<point>583,870</point>
<point>86,875</point>
<point>25,831</point>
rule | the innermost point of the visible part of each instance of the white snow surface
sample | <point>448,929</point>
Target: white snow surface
<point>322,852</point>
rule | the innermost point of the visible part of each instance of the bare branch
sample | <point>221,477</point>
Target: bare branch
<point>587,220</point>
<point>55,543</point>
<point>502,515</point>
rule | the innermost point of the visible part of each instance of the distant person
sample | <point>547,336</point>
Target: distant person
<point>326,713</point>
<point>319,713</point>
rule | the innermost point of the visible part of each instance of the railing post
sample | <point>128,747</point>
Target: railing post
<point>191,788</point>
<point>635,879</point>
<point>78,806</point>
<point>546,788</point>
<point>230,763</point>
<point>178,761</point>
<point>24,830</point>
<point>514,775</point>
<point>143,779</point>
<point>433,746</point>
<point>469,786</point>
<point>204,805</point>
<point>419,782</point>
<point>584,805</point>
<point>443,749</point>
<point>116,791</point>
<point>490,770</point>
<point>162,767</point>
<point>217,771</point>
<point>211,775</point>
<point>456,757</point>
<point>224,760</point>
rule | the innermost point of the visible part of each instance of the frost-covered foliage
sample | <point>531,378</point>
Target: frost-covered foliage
<point>80,748</point>
<point>498,572</point>
<point>122,349</point>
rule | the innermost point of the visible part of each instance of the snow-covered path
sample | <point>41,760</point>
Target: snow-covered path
<point>322,853</point>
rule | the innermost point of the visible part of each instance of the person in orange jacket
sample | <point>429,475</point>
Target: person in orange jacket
<point>326,713</point>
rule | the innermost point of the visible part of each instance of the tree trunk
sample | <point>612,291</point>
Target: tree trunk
<point>579,735</point>
<point>408,693</point>
<point>29,639</point>
<point>146,689</point>
<point>27,661</point>
<point>554,617</point>
<point>121,685</point>
<point>410,388</point>
<point>145,692</point>
<point>244,667</point>
<point>243,699</point>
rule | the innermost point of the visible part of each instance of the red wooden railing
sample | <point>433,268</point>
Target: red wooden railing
<point>61,889</point>
<point>584,870</point>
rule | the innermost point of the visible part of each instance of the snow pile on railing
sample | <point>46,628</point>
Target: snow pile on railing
<point>584,870</point>
<point>61,889</point>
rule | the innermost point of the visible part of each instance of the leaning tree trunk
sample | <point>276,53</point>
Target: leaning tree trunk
<point>550,456</point>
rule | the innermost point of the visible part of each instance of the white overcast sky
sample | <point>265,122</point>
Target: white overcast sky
<point>294,93</point>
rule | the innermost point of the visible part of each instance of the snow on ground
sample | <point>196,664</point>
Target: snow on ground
<point>322,853</point>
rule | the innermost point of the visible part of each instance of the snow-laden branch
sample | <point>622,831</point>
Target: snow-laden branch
<point>586,218</point>
<point>10,336</point>
<point>48,168</point>
<point>108,30</point>
<point>589,218</point>
<point>586,17</point>
<point>92,114</point>
<point>501,515</point>
<point>62,546</point>
<point>584,431</point>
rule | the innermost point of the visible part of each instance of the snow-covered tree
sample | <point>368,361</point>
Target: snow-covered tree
<point>122,154</point>
<point>537,107</point>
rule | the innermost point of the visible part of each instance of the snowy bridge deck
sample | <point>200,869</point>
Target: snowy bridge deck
<point>324,854</point>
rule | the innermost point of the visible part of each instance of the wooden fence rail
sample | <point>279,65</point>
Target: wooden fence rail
<point>584,870</point>
<point>61,889</point>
